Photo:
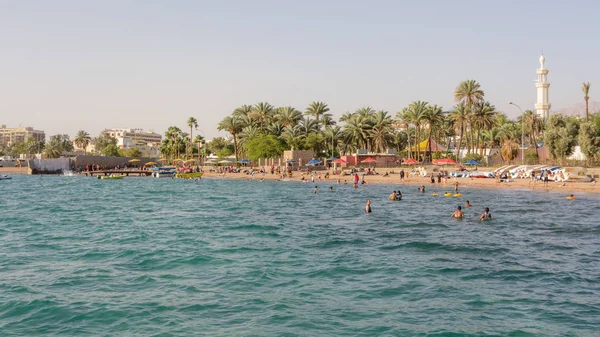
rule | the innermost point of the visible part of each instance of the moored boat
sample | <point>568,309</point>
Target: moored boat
<point>163,172</point>
<point>5,177</point>
<point>189,175</point>
<point>112,177</point>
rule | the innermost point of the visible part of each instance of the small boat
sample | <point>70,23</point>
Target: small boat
<point>5,177</point>
<point>163,172</point>
<point>112,177</point>
<point>189,175</point>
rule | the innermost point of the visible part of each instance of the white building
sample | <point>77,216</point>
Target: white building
<point>146,142</point>
<point>9,136</point>
<point>542,107</point>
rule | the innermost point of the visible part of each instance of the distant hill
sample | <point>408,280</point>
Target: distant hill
<point>579,109</point>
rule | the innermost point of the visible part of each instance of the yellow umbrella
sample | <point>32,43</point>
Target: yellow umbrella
<point>135,160</point>
<point>150,163</point>
<point>178,159</point>
<point>163,159</point>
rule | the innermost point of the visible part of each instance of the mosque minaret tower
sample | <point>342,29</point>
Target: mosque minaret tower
<point>542,107</point>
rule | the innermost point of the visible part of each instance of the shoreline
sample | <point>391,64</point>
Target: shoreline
<point>571,187</point>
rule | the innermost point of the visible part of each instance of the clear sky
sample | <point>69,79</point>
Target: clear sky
<point>70,65</point>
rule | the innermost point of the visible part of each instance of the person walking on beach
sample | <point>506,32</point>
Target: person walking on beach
<point>458,213</point>
<point>486,215</point>
<point>368,207</point>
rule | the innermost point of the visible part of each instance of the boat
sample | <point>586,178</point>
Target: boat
<point>189,175</point>
<point>112,177</point>
<point>163,172</point>
<point>5,177</point>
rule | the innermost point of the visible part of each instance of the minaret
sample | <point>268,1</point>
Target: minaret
<point>542,107</point>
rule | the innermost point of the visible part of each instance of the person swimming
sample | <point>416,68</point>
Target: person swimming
<point>486,214</point>
<point>458,213</point>
<point>368,207</point>
<point>392,196</point>
<point>422,189</point>
<point>571,197</point>
<point>315,189</point>
<point>434,194</point>
<point>467,204</point>
<point>398,195</point>
<point>331,188</point>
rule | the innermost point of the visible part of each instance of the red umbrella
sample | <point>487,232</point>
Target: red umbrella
<point>410,161</point>
<point>369,160</point>
<point>445,161</point>
<point>339,161</point>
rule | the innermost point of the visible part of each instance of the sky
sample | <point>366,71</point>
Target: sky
<point>91,65</point>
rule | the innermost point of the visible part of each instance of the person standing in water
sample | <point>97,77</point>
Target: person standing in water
<point>458,213</point>
<point>368,207</point>
<point>467,204</point>
<point>456,187</point>
<point>486,214</point>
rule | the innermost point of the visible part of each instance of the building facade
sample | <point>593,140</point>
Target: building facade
<point>542,106</point>
<point>147,142</point>
<point>9,136</point>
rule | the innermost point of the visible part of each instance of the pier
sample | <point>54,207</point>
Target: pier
<point>124,172</point>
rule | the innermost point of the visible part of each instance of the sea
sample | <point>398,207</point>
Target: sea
<point>222,257</point>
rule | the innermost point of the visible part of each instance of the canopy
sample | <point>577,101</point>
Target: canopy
<point>339,161</point>
<point>178,159</point>
<point>332,159</point>
<point>163,159</point>
<point>314,162</point>
<point>444,161</point>
<point>244,161</point>
<point>224,162</point>
<point>424,146</point>
<point>472,162</point>
<point>369,160</point>
<point>135,160</point>
<point>410,161</point>
<point>291,161</point>
<point>150,163</point>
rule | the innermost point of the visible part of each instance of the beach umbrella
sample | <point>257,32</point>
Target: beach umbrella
<point>410,161</point>
<point>332,159</point>
<point>163,159</point>
<point>224,162</point>
<point>369,160</point>
<point>291,161</point>
<point>178,159</point>
<point>313,162</point>
<point>150,163</point>
<point>135,160</point>
<point>244,161</point>
<point>339,161</point>
<point>472,162</point>
<point>445,161</point>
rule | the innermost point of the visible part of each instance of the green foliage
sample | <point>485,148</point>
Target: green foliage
<point>103,140</point>
<point>589,141</point>
<point>472,156</point>
<point>224,152</point>
<point>559,137</point>
<point>62,143</point>
<point>314,142</point>
<point>111,150</point>
<point>264,146</point>
<point>133,152</point>
<point>531,158</point>
<point>217,144</point>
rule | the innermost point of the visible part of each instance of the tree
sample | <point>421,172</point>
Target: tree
<point>111,150</point>
<point>559,138</point>
<point>193,124</point>
<point>199,140</point>
<point>315,142</point>
<point>62,143</point>
<point>217,144</point>
<point>133,152</point>
<point>293,136</point>
<point>264,146</point>
<point>432,117</point>
<point>83,139</point>
<point>288,116</point>
<point>52,150</point>
<point>232,125</point>
<point>262,113</point>
<point>103,140</point>
<point>586,96</point>
<point>589,141</point>
<point>468,92</point>
<point>316,109</point>
<point>33,146</point>
<point>381,131</point>
<point>460,116</point>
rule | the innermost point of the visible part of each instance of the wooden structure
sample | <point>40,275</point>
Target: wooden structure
<point>124,172</point>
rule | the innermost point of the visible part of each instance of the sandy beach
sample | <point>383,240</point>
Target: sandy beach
<point>568,187</point>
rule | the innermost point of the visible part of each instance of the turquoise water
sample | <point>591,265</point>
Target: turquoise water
<point>161,257</point>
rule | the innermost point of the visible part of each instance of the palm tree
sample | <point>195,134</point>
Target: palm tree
<point>293,136</point>
<point>468,92</point>
<point>199,140</point>
<point>192,123</point>
<point>381,131</point>
<point>484,117</point>
<point>52,150</point>
<point>586,95</point>
<point>232,125</point>
<point>416,110</point>
<point>405,118</point>
<point>83,139</point>
<point>308,126</point>
<point>172,134</point>
<point>357,131</point>
<point>433,117</point>
<point>534,125</point>
<point>333,135</point>
<point>460,115</point>
<point>262,113</point>
<point>288,116</point>
<point>316,109</point>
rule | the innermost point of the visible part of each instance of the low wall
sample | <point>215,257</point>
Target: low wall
<point>108,162</point>
<point>14,170</point>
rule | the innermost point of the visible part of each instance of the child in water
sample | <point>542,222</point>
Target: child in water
<point>368,207</point>
<point>486,214</point>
